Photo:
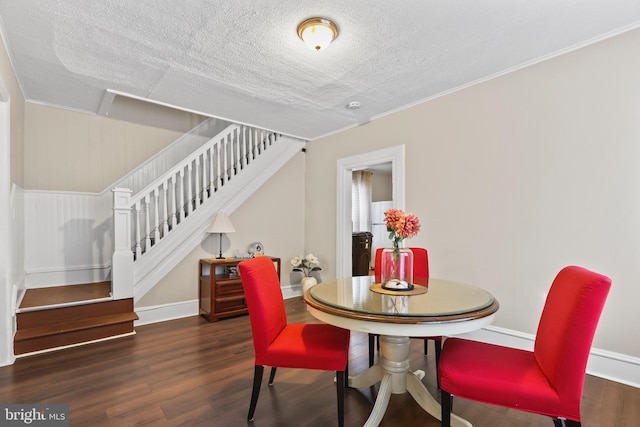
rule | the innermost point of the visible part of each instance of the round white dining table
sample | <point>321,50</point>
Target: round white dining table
<point>434,308</point>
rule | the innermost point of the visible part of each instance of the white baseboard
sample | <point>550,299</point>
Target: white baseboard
<point>178,310</point>
<point>292,291</point>
<point>164,312</point>
<point>605,364</point>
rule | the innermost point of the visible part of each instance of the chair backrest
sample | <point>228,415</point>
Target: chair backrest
<point>420,265</point>
<point>566,329</point>
<point>264,299</point>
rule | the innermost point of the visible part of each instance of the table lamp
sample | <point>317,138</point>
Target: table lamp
<point>221,224</point>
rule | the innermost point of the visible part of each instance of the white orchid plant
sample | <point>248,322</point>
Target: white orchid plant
<point>306,265</point>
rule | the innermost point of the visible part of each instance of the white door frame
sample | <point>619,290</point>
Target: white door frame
<point>344,169</point>
<point>6,295</point>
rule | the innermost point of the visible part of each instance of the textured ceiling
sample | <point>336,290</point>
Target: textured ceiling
<point>242,60</point>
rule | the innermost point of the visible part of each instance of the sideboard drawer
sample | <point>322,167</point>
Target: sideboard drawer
<point>229,287</point>
<point>230,304</point>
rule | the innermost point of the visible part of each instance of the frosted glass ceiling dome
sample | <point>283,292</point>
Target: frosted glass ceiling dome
<point>317,33</point>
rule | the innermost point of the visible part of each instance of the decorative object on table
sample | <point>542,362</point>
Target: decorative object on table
<point>256,249</point>
<point>231,271</point>
<point>397,262</point>
<point>415,290</point>
<point>242,254</point>
<point>221,224</point>
<point>306,266</point>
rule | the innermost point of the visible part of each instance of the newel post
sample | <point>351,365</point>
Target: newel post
<point>122,261</point>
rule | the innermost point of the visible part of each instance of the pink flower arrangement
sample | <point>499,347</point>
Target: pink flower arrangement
<point>400,225</point>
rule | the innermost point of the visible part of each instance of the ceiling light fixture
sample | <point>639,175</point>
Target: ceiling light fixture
<point>317,33</point>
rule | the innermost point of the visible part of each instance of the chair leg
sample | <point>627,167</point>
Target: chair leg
<point>272,375</point>
<point>445,404</point>
<point>372,340</point>
<point>340,382</point>
<point>557,422</point>
<point>438,345</point>
<point>567,423</point>
<point>257,382</point>
<point>426,346</point>
<point>346,375</point>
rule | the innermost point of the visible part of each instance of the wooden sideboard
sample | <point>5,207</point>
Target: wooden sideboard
<point>220,291</point>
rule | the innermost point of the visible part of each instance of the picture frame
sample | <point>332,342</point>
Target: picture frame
<point>231,271</point>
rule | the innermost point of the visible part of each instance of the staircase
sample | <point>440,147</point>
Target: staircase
<point>142,227</point>
<point>62,316</point>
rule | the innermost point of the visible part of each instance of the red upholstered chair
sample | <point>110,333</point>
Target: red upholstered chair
<point>282,345</point>
<point>420,275</point>
<point>549,380</point>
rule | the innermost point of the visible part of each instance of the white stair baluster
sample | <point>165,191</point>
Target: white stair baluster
<point>189,189</point>
<point>242,148</point>
<point>197,199</point>
<point>156,216</point>
<point>205,162</point>
<point>211,170</point>
<point>138,236</point>
<point>147,227</point>
<point>223,161</point>
<point>228,156</point>
<point>221,178</point>
<point>173,207</point>
<point>254,143</point>
<point>165,208</point>
<point>254,149</point>
<point>181,213</point>
<point>235,161</point>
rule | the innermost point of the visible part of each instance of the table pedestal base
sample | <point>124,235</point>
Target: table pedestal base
<point>394,377</point>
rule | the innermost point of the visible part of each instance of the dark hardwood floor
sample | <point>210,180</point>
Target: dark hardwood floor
<point>189,372</point>
<point>65,294</point>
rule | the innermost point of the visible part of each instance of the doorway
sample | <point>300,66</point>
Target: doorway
<point>344,170</point>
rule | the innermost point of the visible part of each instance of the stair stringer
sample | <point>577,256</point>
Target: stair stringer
<point>171,250</point>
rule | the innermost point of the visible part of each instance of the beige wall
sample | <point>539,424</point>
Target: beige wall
<point>71,151</point>
<point>514,179</point>
<point>17,117</point>
<point>273,216</point>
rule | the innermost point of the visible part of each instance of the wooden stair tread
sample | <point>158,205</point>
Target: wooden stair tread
<point>65,294</point>
<point>76,325</point>
<point>58,317</point>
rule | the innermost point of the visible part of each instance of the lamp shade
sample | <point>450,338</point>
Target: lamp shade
<point>221,224</point>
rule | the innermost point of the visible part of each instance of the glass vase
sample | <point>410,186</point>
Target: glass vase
<point>397,268</point>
